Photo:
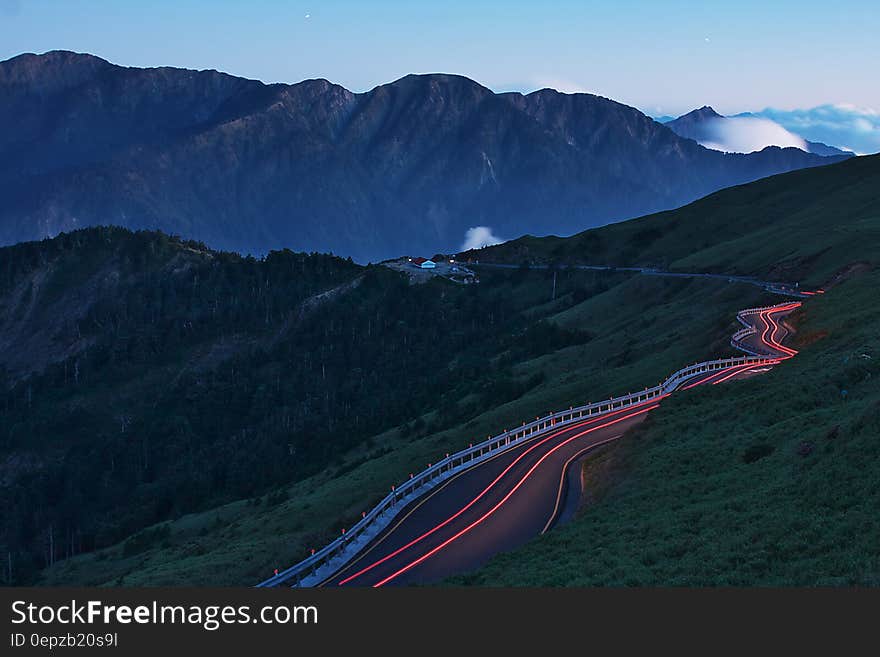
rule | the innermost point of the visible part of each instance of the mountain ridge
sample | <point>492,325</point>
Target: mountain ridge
<point>406,167</point>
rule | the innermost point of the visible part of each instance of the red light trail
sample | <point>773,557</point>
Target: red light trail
<point>509,494</point>
<point>491,485</point>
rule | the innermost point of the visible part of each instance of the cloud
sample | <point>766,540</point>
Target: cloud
<point>745,134</point>
<point>478,237</point>
<point>841,125</point>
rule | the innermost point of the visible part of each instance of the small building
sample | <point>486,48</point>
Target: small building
<point>424,263</point>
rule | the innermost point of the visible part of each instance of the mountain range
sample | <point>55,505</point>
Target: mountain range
<point>407,167</point>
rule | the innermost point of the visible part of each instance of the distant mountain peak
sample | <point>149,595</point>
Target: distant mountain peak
<point>703,113</point>
<point>415,81</point>
<point>55,57</point>
<point>50,71</point>
<point>706,112</point>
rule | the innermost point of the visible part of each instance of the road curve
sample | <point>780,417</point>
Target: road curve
<point>505,501</point>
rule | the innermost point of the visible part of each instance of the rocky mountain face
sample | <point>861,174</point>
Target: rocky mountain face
<point>407,167</point>
<point>693,124</point>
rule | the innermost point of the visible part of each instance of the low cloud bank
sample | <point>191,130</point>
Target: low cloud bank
<point>478,237</point>
<point>845,126</point>
<point>746,134</point>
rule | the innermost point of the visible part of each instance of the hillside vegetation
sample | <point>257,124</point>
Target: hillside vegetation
<point>519,353</point>
<point>146,378</point>
<point>802,226</point>
<point>769,481</point>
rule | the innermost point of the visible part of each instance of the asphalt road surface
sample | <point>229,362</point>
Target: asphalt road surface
<point>507,500</point>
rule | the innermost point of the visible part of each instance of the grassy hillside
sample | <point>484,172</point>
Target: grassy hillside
<point>800,226</point>
<point>240,543</point>
<point>771,480</point>
<point>147,379</point>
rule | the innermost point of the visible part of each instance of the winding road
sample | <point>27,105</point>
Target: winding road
<point>507,500</point>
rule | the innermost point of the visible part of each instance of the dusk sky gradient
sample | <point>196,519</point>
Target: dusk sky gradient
<point>662,57</point>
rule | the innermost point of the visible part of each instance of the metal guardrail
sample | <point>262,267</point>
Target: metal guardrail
<point>322,563</point>
<point>737,340</point>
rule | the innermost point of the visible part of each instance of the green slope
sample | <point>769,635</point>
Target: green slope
<point>770,481</point>
<point>167,380</point>
<point>241,542</point>
<point>800,226</point>
<point>684,500</point>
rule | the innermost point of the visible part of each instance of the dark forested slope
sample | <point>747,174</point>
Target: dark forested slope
<point>142,376</point>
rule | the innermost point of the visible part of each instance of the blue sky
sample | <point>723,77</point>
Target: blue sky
<point>663,57</point>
